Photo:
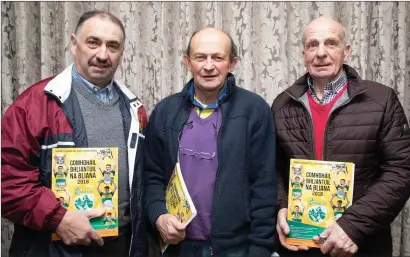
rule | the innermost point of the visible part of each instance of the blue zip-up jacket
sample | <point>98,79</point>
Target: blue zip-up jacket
<point>243,210</point>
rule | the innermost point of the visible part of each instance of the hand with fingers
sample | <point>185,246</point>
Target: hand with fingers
<point>75,227</point>
<point>336,242</point>
<point>172,231</point>
<point>283,230</point>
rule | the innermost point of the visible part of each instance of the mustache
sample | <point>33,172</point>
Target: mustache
<point>99,62</point>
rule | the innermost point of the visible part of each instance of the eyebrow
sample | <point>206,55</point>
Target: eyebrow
<point>326,39</point>
<point>98,39</point>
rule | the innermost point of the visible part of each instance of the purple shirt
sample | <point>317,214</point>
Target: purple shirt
<point>199,163</point>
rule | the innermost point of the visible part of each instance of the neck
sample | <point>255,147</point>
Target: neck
<point>100,84</point>
<point>208,97</point>
<point>320,84</point>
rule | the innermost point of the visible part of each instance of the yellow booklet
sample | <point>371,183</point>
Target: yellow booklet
<point>87,178</point>
<point>319,193</point>
<point>178,201</point>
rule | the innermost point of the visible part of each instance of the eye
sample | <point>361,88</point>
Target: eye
<point>331,43</point>
<point>218,58</point>
<point>114,47</point>
<point>200,58</point>
<point>92,43</point>
<point>311,46</point>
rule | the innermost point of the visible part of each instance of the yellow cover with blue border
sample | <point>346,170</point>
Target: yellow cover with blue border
<point>319,193</point>
<point>87,178</point>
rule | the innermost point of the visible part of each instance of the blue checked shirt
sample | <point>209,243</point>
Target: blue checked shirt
<point>105,94</point>
<point>331,89</point>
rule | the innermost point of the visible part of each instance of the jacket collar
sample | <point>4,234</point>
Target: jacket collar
<point>356,84</point>
<point>60,86</point>
<point>230,84</point>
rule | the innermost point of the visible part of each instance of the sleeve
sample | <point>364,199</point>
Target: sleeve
<point>282,178</point>
<point>388,194</point>
<point>154,172</point>
<point>262,187</point>
<point>24,200</point>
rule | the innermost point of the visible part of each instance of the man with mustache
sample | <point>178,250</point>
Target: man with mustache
<point>223,137</point>
<point>332,114</point>
<point>84,106</point>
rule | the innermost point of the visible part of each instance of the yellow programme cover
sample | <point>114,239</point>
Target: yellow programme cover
<point>178,201</point>
<point>87,178</point>
<point>319,193</point>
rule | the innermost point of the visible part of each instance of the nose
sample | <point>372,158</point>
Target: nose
<point>209,63</point>
<point>102,53</point>
<point>321,51</point>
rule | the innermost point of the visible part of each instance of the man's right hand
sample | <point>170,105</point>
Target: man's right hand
<point>283,229</point>
<point>75,227</point>
<point>172,231</point>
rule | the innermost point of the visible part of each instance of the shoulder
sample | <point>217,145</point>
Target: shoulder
<point>249,103</point>
<point>280,102</point>
<point>32,94</point>
<point>378,92</point>
<point>169,104</point>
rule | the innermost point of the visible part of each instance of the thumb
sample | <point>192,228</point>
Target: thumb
<point>283,224</point>
<point>176,224</point>
<point>324,235</point>
<point>94,213</point>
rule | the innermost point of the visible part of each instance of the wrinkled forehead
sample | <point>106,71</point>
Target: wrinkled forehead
<point>323,30</point>
<point>101,27</point>
<point>207,42</point>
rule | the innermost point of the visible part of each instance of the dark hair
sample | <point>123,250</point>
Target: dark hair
<point>343,180</point>
<point>106,187</point>
<point>233,51</point>
<point>109,213</point>
<point>296,206</point>
<point>339,201</point>
<point>88,15</point>
<point>107,165</point>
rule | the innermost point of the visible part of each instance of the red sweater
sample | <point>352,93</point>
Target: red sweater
<point>320,114</point>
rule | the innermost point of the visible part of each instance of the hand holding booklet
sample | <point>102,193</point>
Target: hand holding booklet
<point>319,193</point>
<point>87,178</point>
<point>178,201</point>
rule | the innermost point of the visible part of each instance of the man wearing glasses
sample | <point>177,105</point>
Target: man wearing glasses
<point>224,139</point>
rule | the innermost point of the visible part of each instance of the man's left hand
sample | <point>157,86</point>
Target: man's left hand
<point>337,243</point>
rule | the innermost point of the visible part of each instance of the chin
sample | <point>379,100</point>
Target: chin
<point>210,87</point>
<point>323,75</point>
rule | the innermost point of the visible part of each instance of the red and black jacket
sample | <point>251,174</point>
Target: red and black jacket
<point>45,116</point>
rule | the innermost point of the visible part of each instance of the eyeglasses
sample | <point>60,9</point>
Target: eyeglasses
<point>205,58</point>
<point>201,155</point>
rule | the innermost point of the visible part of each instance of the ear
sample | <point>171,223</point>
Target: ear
<point>187,62</point>
<point>347,53</point>
<point>73,40</point>
<point>233,64</point>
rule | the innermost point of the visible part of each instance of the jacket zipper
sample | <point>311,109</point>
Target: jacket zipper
<point>132,233</point>
<point>310,122</point>
<point>330,115</point>
<point>216,178</point>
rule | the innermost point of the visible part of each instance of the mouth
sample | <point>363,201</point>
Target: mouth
<point>209,77</point>
<point>322,65</point>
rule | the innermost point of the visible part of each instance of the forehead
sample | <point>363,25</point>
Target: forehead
<point>210,42</point>
<point>102,28</point>
<point>320,31</point>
